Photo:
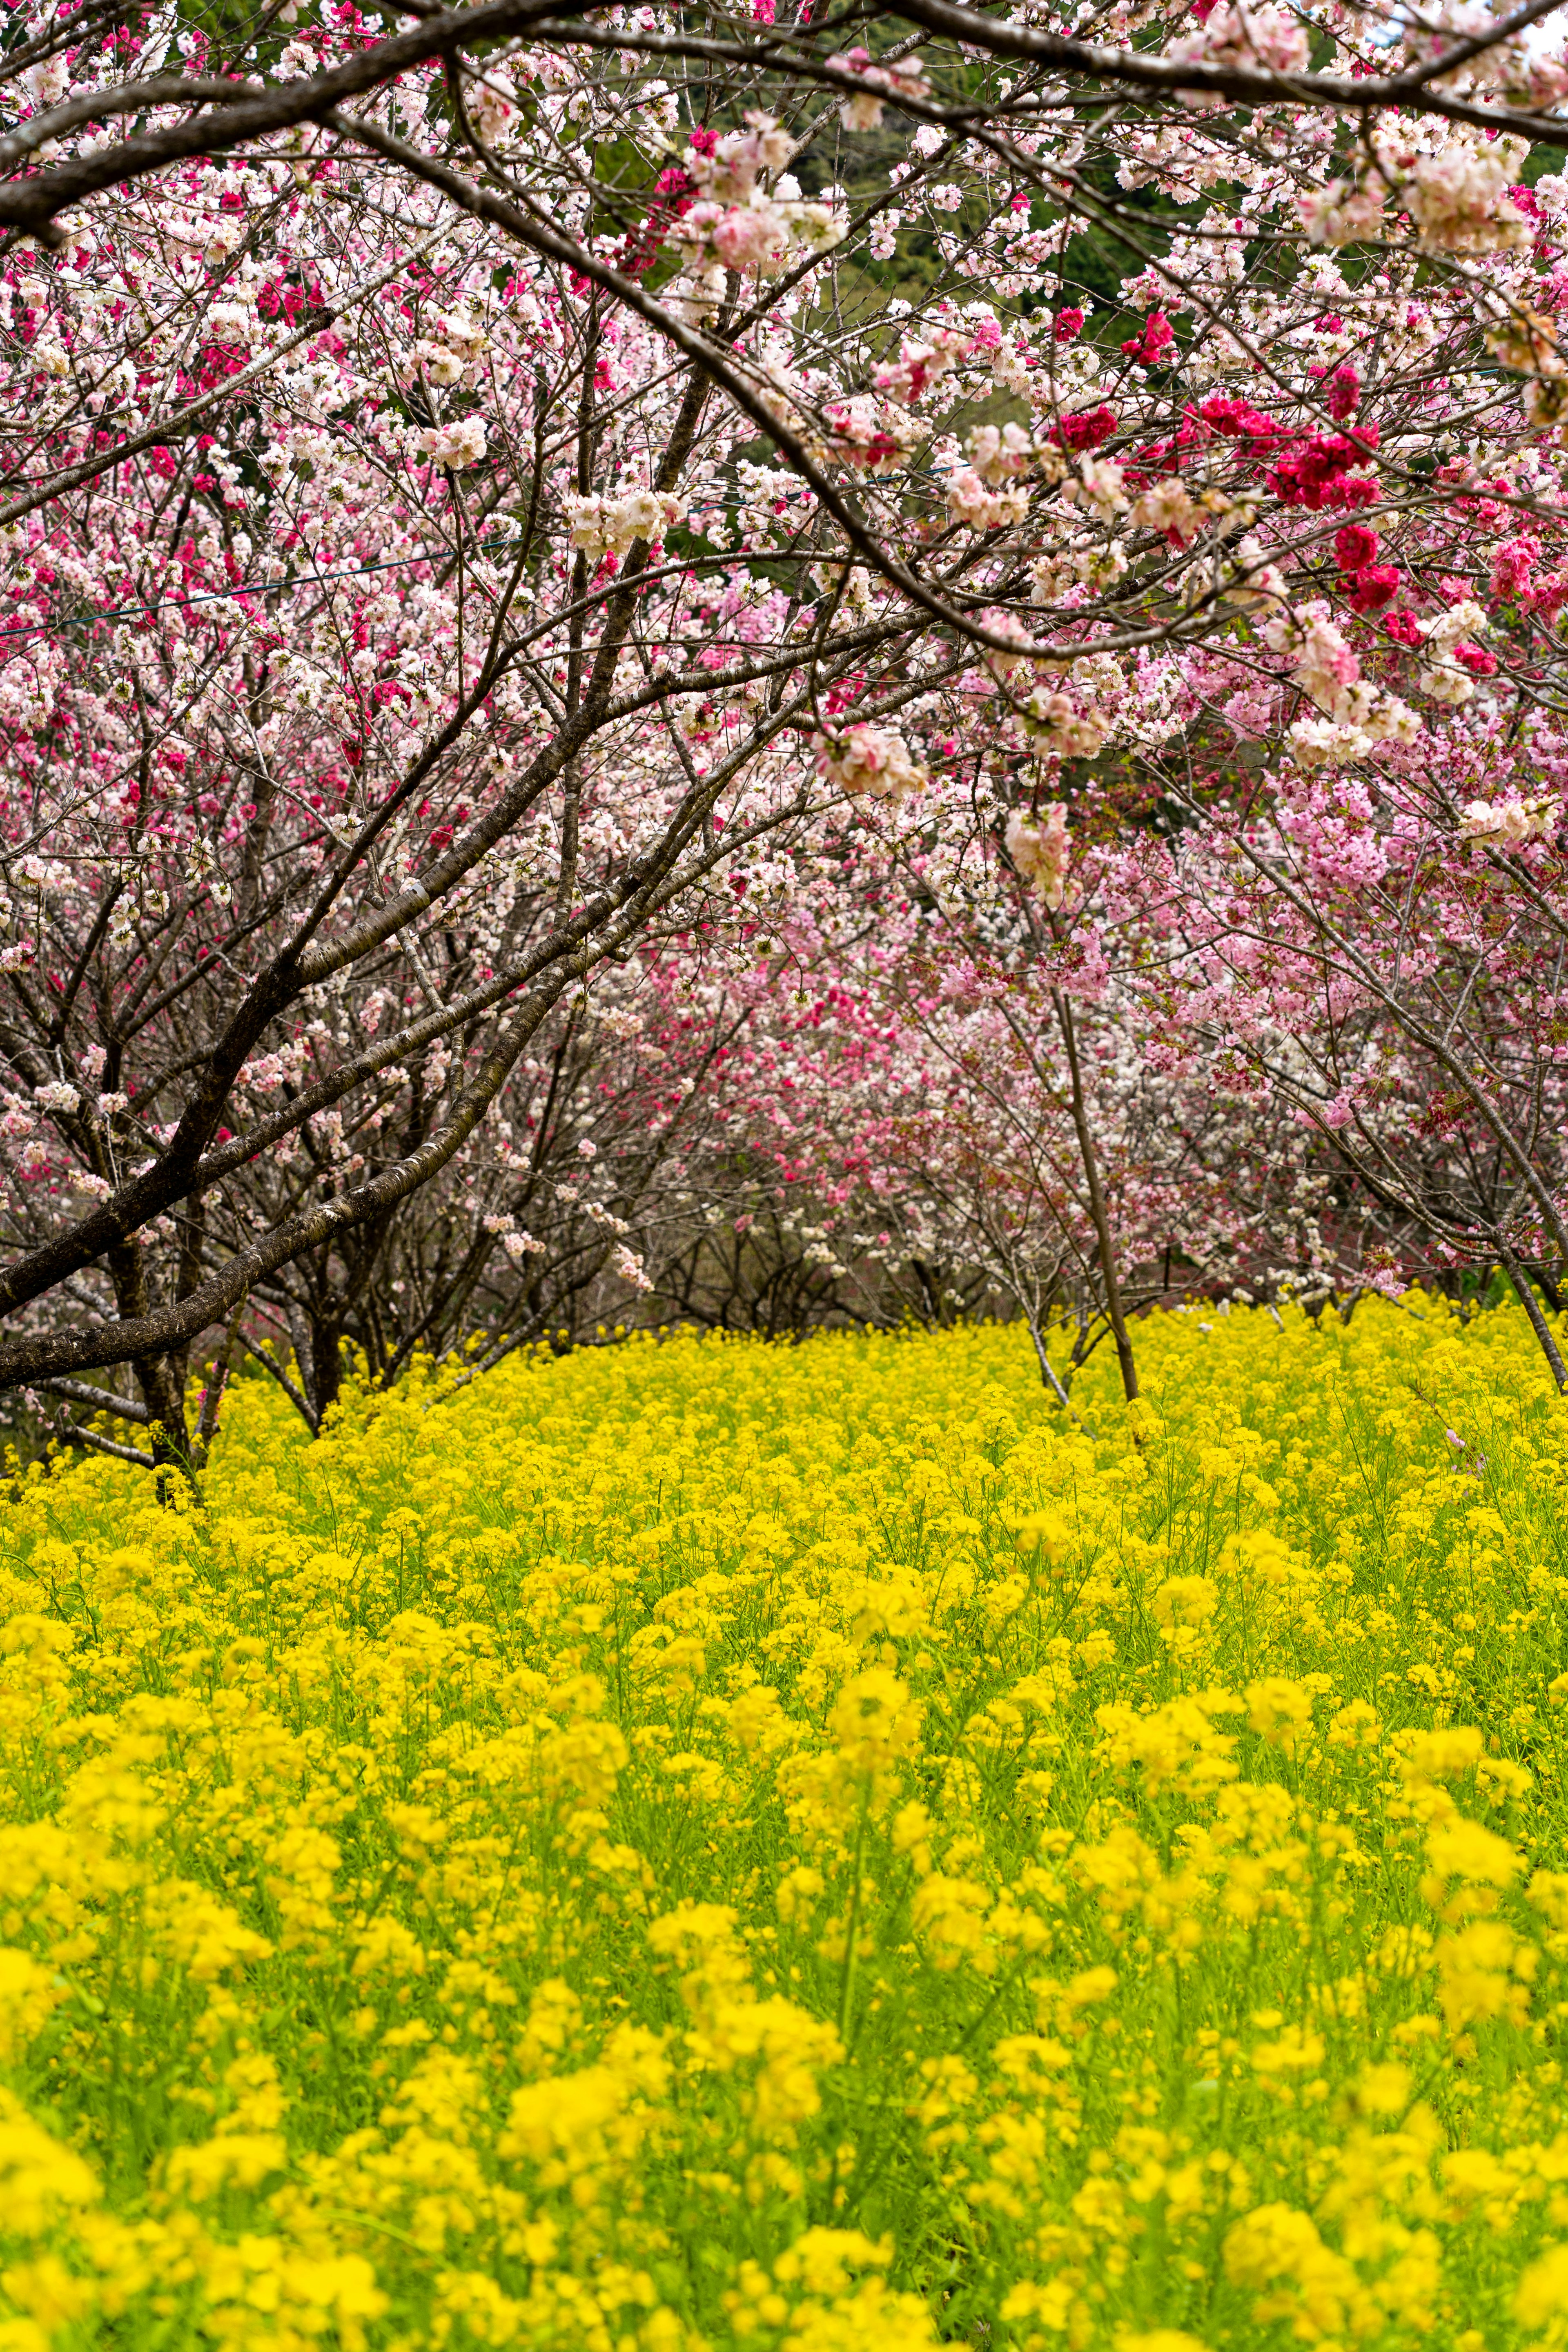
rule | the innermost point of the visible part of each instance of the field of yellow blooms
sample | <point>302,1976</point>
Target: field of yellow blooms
<point>701,1846</point>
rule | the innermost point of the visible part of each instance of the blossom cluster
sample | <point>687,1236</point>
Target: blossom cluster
<point>875,760</point>
<point>612,521</point>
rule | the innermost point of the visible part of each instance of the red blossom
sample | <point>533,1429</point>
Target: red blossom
<point>1148,348</point>
<point>1375,585</point>
<point>1342,397</point>
<point>1355,544</point>
<point>1088,429</point>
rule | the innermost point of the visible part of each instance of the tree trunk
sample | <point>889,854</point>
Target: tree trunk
<point>1538,1322</point>
<point>160,1379</point>
<point>1118,1320</point>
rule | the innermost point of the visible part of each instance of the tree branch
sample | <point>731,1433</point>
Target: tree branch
<point>101,1400</point>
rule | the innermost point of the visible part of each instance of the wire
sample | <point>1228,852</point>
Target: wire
<point>240,588</point>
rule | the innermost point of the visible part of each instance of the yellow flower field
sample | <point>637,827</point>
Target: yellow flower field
<point>702,1845</point>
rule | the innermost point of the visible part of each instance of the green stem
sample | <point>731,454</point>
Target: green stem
<point>847,1992</point>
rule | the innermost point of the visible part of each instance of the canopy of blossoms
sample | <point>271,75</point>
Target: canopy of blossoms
<point>525,538</point>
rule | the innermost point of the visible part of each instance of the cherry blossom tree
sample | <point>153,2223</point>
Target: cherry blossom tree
<point>896,1131</point>
<point>1380,952</point>
<point>480,498</point>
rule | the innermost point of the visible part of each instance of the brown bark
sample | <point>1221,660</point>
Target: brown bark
<point>1096,1208</point>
